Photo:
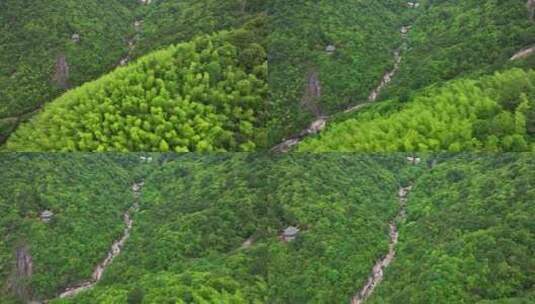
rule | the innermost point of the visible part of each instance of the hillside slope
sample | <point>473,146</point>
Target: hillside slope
<point>259,228</point>
<point>47,47</point>
<point>440,42</point>
<point>492,113</point>
<point>208,227</point>
<point>327,55</point>
<point>469,234</point>
<point>204,95</point>
<point>452,39</point>
<point>86,196</point>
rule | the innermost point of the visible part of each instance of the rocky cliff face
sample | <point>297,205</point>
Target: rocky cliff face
<point>61,72</point>
<point>19,282</point>
<point>531,8</point>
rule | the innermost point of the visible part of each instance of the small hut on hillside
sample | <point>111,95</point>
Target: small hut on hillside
<point>290,233</point>
<point>46,216</point>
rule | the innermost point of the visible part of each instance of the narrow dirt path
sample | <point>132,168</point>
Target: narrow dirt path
<point>321,122</point>
<point>377,272</point>
<point>114,251</point>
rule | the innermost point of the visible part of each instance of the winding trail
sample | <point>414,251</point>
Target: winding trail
<point>114,251</point>
<point>377,272</point>
<point>321,122</point>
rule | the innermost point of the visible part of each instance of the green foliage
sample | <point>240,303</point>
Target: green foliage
<point>86,193</point>
<point>449,39</point>
<point>197,211</point>
<point>208,228</point>
<point>493,113</point>
<point>169,22</point>
<point>365,34</point>
<point>195,96</point>
<point>33,35</point>
<point>208,206</point>
<point>469,234</point>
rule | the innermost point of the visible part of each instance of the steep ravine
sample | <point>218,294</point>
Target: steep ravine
<point>319,124</point>
<point>114,251</point>
<point>376,275</point>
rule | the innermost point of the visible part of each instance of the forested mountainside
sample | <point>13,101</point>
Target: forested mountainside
<point>261,228</point>
<point>208,229</point>
<point>441,42</point>
<point>492,113</point>
<point>326,55</point>
<point>167,22</point>
<point>49,46</point>
<point>203,95</point>
<point>88,39</point>
<point>449,39</point>
<point>469,234</point>
<point>83,196</point>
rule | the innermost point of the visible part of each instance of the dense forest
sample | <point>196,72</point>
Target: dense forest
<point>440,44</point>
<point>48,48</point>
<point>196,214</point>
<point>469,234</point>
<point>449,39</point>
<point>202,95</point>
<point>326,55</point>
<point>212,227</point>
<point>492,113</point>
<point>324,58</point>
<point>86,194</point>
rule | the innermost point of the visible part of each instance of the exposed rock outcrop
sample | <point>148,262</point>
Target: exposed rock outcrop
<point>61,72</point>
<point>312,94</point>
<point>20,278</point>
